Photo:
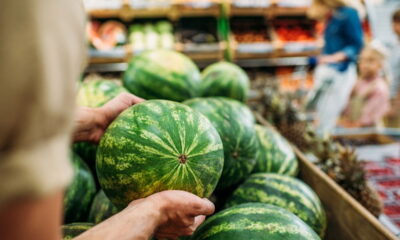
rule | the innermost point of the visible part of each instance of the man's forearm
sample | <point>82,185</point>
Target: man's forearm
<point>134,223</point>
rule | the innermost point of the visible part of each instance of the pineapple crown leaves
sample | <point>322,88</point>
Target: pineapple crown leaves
<point>352,170</point>
<point>341,164</point>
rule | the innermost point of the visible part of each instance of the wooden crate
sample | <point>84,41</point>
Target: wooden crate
<point>347,219</point>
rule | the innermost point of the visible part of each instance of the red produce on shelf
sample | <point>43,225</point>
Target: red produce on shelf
<point>392,210</point>
<point>393,161</point>
<point>106,36</point>
<point>392,183</point>
<point>295,30</point>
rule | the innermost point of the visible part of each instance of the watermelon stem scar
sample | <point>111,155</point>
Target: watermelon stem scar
<point>182,159</point>
<point>235,154</point>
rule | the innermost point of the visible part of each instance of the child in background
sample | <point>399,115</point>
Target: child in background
<point>370,99</point>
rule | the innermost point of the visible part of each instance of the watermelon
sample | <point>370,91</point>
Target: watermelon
<point>235,124</point>
<point>94,93</point>
<point>101,209</point>
<point>163,74</point>
<point>256,221</point>
<point>97,92</point>
<point>224,79</point>
<point>158,145</point>
<point>73,230</point>
<point>275,154</point>
<point>87,151</point>
<point>80,192</point>
<point>285,192</point>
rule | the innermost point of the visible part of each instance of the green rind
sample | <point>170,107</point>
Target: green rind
<point>101,209</point>
<point>254,221</point>
<point>235,124</point>
<point>275,155</point>
<point>224,79</point>
<point>97,92</point>
<point>163,74</point>
<point>139,153</point>
<point>80,192</point>
<point>87,151</point>
<point>285,192</point>
<point>94,93</point>
<point>73,230</point>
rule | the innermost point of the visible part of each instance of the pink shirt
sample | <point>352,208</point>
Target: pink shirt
<point>370,101</point>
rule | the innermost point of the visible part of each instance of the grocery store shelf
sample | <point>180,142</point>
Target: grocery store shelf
<point>128,13</point>
<point>285,11</point>
<point>250,11</point>
<point>273,62</point>
<point>106,67</point>
<point>186,11</point>
<point>205,60</point>
<point>176,11</point>
<point>275,54</point>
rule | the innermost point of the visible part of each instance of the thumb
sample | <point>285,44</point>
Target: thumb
<point>203,207</point>
<point>198,221</point>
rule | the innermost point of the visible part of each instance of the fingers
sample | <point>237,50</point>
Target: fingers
<point>117,105</point>
<point>130,99</point>
<point>135,99</point>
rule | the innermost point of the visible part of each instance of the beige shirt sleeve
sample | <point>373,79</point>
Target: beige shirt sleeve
<point>42,51</point>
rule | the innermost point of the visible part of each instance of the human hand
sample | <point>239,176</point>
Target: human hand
<point>181,213</point>
<point>334,58</point>
<point>166,215</point>
<point>92,122</point>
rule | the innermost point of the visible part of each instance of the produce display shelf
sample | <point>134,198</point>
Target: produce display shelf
<point>176,11</point>
<point>347,219</point>
<point>275,54</point>
<point>272,62</point>
<point>391,134</point>
<point>185,11</point>
<point>289,11</point>
<point>276,58</point>
<point>251,11</point>
<point>128,13</point>
<point>106,67</point>
<point>204,59</point>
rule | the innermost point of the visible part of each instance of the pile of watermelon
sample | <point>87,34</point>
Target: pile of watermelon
<point>194,133</point>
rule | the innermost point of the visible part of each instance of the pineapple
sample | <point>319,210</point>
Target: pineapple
<point>343,166</point>
<point>354,182</point>
<point>293,126</point>
<point>371,200</point>
<point>338,162</point>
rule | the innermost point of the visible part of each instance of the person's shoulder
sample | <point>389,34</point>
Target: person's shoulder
<point>348,11</point>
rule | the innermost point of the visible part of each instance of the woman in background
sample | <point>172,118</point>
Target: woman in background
<point>370,99</point>
<point>336,73</point>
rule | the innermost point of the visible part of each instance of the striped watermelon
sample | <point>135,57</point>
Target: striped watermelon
<point>162,74</point>
<point>87,151</point>
<point>158,145</point>
<point>235,124</point>
<point>73,230</point>
<point>254,221</point>
<point>101,209</point>
<point>225,79</point>
<point>275,155</point>
<point>80,192</point>
<point>97,92</point>
<point>285,192</point>
<point>94,93</point>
